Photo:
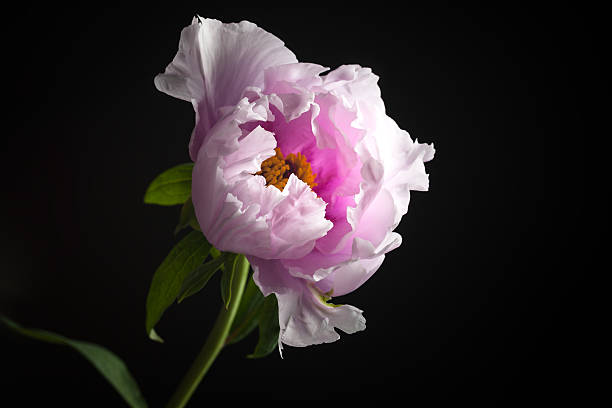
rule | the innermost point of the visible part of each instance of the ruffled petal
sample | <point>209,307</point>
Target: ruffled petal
<point>254,148</point>
<point>313,321</point>
<point>297,221</point>
<point>372,173</point>
<point>235,209</point>
<point>357,88</point>
<point>305,318</point>
<point>350,104</point>
<point>403,161</point>
<point>293,78</point>
<point>226,221</point>
<point>390,165</point>
<point>215,63</point>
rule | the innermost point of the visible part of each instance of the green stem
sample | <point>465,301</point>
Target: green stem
<point>215,341</point>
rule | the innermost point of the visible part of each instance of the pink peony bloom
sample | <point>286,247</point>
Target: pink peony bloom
<point>303,172</point>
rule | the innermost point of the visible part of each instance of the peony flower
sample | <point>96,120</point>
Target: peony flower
<point>300,170</point>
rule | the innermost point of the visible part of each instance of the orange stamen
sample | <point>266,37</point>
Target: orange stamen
<point>277,169</point>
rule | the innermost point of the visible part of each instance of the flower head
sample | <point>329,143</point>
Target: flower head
<point>300,170</point>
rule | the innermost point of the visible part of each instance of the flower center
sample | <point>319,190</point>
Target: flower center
<point>277,169</point>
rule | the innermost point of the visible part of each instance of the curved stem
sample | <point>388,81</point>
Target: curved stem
<point>215,341</point>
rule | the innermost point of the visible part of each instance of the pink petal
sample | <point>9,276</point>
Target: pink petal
<point>293,78</point>
<point>351,276</point>
<point>403,160</point>
<point>227,222</point>
<point>235,209</point>
<point>215,63</point>
<point>304,318</point>
<point>297,221</point>
<point>365,260</point>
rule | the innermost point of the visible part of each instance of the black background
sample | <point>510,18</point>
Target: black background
<point>476,301</point>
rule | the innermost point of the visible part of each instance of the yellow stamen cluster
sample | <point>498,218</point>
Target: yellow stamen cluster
<point>278,168</point>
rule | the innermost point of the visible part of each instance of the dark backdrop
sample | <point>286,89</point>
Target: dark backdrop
<point>475,300</point>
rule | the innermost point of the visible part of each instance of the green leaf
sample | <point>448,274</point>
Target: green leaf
<point>268,328</point>
<point>247,316</point>
<point>107,363</point>
<point>215,252</point>
<point>168,279</point>
<point>154,336</point>
<point>227,277</point>
<point>171,187</point>
<point>187,217</point>
<point>199,277</point>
